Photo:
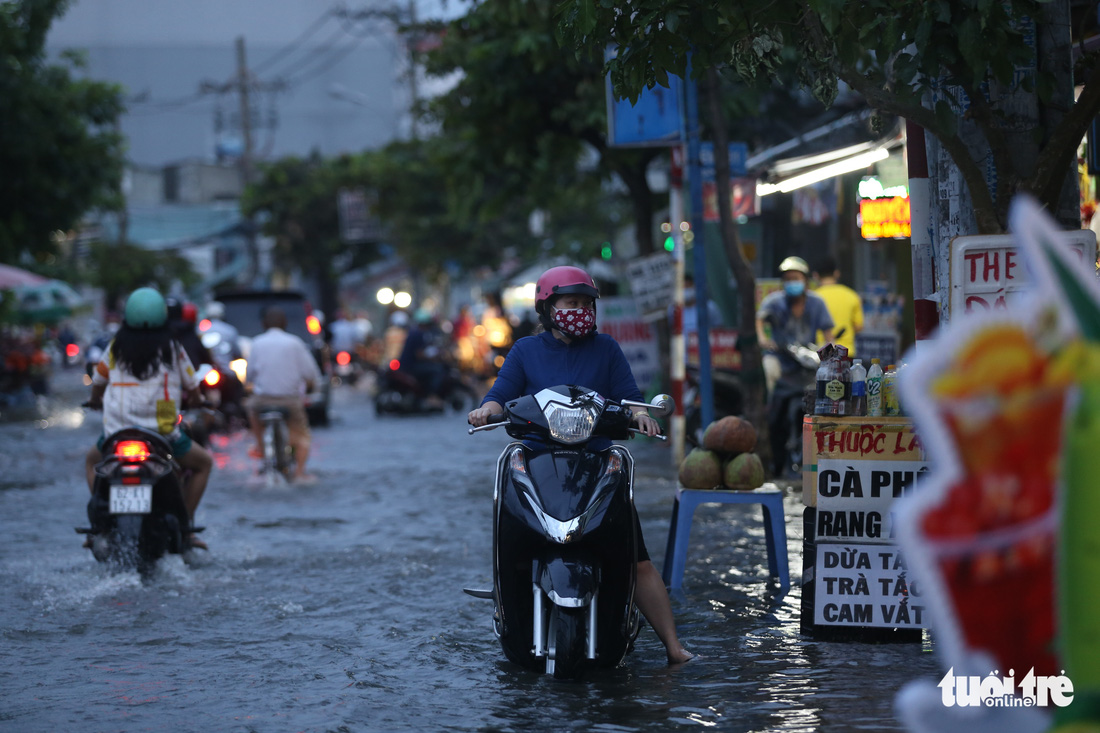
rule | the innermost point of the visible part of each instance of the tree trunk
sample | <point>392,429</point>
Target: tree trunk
<point>631,169</point>
<point>752,369</point>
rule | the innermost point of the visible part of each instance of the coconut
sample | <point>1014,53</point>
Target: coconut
<point>744,472</point>
<point>701,469</point>
<point>730,435</point>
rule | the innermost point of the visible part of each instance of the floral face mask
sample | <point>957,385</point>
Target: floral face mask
<point>575,322</point>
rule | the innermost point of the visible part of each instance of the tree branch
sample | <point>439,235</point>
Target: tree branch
<point>985,210</point>
<point>1050,170</point>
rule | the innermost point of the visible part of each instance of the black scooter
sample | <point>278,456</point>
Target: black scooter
<point>136,511</point>
<point>564,532</point>
<point>787,406</point>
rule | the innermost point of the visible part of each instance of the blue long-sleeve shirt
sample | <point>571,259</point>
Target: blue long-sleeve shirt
<point>537,362</point>
<point>540,361</point>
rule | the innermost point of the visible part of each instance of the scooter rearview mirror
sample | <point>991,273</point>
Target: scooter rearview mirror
<point>663,405</point>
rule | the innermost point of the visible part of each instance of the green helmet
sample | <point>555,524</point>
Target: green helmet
<point>145,308</point>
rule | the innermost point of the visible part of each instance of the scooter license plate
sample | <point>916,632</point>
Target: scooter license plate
<point>133,499</point>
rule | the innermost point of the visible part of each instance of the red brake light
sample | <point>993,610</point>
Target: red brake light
<point>205,324</point>
<point>394,365</point>
<point>132,450</point>
<point>343,358</point>
<point>212,378</point>
<point>71,350</point>
<point>313,324</point>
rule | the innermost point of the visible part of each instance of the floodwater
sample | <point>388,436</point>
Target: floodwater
<point>339,606</point>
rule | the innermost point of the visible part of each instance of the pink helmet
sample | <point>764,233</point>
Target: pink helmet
<point>563,280</point>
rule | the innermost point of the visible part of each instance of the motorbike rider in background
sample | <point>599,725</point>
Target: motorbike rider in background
<point>182,319</point>
<point>422,357</point>
<point>281,371</point>
<point>215,323</point>
<point>794,315</point>
<point>137,382</point>
<point>569,351</point>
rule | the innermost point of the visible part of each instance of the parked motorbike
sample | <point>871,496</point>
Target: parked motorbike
<point>136,511</point>
<point>787,407</point>
<point>399,392</point>
<point>564,532</point>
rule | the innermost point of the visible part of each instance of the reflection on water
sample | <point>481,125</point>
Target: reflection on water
<point>338,606</point>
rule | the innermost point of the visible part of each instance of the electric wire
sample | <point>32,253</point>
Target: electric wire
<point>291,47</point>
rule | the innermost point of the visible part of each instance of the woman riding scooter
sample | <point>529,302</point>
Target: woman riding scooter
<point>794,315</point>
<point>141,375</point>
<point>570,351</point>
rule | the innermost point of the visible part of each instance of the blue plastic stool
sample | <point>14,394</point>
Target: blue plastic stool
<point>769,497</point>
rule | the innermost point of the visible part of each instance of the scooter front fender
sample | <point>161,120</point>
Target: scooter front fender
<point>569,583</point>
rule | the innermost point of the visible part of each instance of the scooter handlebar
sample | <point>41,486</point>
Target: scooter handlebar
<point>495,421</point>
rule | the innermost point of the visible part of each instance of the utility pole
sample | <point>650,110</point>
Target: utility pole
<point>246,113</point>
<point>414,92</point>
<point>243,82</point>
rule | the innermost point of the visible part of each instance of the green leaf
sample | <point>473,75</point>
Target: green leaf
<point>587,18</point>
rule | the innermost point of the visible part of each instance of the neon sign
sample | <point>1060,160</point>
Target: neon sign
<point>884,218</point>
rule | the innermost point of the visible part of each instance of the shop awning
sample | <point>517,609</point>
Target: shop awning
<point>783,175</point>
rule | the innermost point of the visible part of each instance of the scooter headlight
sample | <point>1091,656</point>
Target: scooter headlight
<point>571,424</point>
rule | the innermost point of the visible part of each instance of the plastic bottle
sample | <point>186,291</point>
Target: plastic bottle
<point>858,377</point>
<point>822,406</point>
<point>844,377</point>
<point>890,406</point>
<point>874,389</point>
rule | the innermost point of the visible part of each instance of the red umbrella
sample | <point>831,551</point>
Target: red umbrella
<point>13,277</point>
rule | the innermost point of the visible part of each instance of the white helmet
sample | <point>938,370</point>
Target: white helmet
<point>400,319</point>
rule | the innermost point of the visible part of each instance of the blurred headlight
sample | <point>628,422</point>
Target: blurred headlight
<point>570,424</point>
<point>240,368</point>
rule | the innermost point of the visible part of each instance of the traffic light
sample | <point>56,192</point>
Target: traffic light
<point>605,251</point>
<point>670,244</point>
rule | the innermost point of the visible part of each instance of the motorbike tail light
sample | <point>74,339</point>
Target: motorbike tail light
<point>132,450</point>
<point>204,325</point>
<point>343,358</point>
<point>72,350</point>
<point>212,378</point>
<point>313,324</point>
<point>394,365</point>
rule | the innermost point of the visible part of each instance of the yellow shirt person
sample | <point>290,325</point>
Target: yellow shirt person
<point>844,304</point>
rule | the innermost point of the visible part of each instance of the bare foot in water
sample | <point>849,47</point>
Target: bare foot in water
<point>196,543</point>
<point>680,657</point>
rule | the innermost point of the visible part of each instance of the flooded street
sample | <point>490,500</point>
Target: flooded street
<point>339,606</point>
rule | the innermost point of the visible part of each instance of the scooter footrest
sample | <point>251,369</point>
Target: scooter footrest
<point>479,593</point>
<point>84,530</point>
<point>197,529</point>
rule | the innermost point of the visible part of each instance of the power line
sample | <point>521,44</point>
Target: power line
<point>293,45</point>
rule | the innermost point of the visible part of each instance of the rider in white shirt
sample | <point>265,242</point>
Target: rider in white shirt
<point>138,382</point>
<point>281,371</point>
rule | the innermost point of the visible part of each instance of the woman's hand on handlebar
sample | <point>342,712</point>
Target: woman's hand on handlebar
<point>646,424</point>
<point>480,416</point>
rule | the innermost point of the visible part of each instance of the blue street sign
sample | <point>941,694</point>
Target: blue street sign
<point>654,120</point>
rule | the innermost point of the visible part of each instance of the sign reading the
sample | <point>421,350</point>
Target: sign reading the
<point>987,271</point>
